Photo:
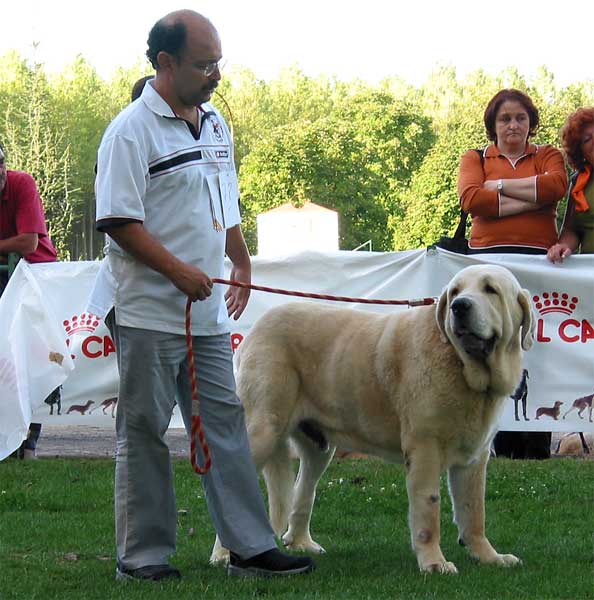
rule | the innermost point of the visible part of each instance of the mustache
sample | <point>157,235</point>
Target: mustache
<point>213,86</point>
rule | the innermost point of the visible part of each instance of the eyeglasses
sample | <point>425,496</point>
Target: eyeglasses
<point>209,68</point>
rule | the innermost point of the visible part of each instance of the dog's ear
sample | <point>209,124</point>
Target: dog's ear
<point>528,323</point>
<point>441,314</point>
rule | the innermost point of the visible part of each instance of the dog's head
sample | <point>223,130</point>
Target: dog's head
<point>485,314</point>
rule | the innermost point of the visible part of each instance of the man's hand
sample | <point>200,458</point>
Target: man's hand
<point>193,282</point>
<point>237,297</point>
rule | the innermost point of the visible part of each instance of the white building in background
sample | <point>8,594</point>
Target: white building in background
<point>289,230</point>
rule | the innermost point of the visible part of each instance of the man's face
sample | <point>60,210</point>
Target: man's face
<point>2,171</point>
<point>203,49</point>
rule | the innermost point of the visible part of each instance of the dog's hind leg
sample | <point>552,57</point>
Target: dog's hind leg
<point>313,463</point>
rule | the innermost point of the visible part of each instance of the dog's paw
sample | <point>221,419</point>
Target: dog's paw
<point>219,556</point>
<point>302,544</point>
<point>506,560</point>
<point>443,568</point>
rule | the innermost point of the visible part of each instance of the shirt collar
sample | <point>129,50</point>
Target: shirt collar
<point>155,102</point>
<point>492,151</point>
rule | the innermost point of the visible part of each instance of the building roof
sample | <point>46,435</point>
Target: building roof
<point>308,206</point>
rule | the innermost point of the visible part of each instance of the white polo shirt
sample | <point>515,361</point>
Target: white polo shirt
<point>152,168</point>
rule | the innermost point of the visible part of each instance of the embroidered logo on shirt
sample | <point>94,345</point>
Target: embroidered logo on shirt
<point>217,129</point>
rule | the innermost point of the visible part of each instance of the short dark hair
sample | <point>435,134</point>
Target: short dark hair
<point>503,96</point>
<point>571,136</point>
<point>139,86</point>
<point>166,36</point>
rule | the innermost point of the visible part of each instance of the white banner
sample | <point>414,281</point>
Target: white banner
<point>48,339</point>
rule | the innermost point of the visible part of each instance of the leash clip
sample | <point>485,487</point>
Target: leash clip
<point>422,301</point>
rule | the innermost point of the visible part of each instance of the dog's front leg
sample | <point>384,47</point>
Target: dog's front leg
<point>467,489</point>
<point>422,484</point>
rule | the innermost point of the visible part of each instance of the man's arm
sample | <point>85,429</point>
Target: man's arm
<point>236,249</point>
<point>136,241</point>
<point>23,244</point>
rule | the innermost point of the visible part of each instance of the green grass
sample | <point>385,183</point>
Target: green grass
<point>53,511</point>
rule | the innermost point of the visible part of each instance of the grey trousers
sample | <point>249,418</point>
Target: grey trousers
<point>153,375</point>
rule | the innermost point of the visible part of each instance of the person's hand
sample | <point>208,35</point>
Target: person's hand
<point>237,297</point>
<point>558,252</point>
<point>193,282</point>
<point>491,185</point>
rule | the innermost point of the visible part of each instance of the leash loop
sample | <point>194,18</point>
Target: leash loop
<point>197,432</point>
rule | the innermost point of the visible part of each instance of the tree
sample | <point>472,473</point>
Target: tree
<point>38,150</point>
<point>353,161</point>
<point>430,203</point>
<point>83,106</point>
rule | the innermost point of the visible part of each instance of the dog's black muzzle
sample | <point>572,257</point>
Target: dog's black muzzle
<point>474,345</point>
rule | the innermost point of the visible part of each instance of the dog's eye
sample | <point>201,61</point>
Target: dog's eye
<point>489,289</point>
<point>453,292</point>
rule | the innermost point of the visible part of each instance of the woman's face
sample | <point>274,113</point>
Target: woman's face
<point>512,124</point>
<point>588,143</point>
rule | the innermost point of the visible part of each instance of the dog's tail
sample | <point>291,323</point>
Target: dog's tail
<point>280,483</point>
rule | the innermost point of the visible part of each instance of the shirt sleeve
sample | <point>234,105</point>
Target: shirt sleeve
<point>474,199</point>
<point>551,179</point>
<point>569,219</point>
<point>30,217</point>
<point>121,180</point>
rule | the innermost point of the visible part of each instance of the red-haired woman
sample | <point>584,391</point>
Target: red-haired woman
<point>577,137</point>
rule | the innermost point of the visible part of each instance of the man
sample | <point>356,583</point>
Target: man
<point>22,231</point>
<point>22,219</point>
<point>167,197</point>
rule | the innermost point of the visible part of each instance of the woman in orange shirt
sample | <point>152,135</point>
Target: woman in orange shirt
<point>512,191</point>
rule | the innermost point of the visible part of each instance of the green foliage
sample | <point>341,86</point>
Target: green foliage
<point>354,161</point>
<point>430,203</point>
<point>385,157</point>
<point>33,146</point>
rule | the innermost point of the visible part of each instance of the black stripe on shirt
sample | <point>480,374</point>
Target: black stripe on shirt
<point>108,223</point>
<point>176,161</point>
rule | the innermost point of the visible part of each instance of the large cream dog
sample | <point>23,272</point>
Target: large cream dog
<point>423,386</point>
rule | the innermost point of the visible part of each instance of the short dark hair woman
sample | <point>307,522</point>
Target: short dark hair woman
<point>512,193</point>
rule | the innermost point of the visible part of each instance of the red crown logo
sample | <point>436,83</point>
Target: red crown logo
<point>84,322</point>
<point>550,302</point>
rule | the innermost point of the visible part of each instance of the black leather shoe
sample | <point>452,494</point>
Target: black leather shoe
<point>271,563</point>
<point>148,573</point>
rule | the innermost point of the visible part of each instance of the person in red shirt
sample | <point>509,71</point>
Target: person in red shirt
<point>22,219</point>
<point>22,231</point>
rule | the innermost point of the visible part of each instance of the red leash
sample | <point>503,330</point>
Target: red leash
<point>260,288</point>
<point>197,432</point>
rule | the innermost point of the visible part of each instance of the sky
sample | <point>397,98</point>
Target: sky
<point>367,39</point>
